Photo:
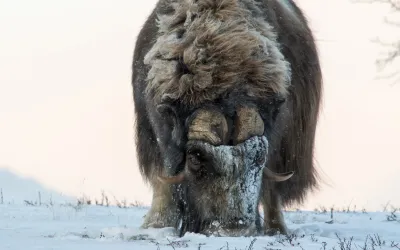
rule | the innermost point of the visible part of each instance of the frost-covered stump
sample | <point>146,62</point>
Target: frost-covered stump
<point>229,198</point>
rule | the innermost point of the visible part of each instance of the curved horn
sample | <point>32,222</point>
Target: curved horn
<point>277,177</point>
<point>210,126</point>
<point>248,123</point>
<point>173,179</point>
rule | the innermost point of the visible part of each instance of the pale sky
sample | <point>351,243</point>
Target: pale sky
<point>66,111</point>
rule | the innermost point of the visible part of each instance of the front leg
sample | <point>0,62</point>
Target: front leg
<point>163,211</point>
<point>274,222</point>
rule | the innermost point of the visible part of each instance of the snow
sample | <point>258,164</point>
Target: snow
<point>59,223</point>
<point>69,226</point>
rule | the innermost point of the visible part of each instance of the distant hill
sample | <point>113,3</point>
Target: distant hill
<point>16,189</point>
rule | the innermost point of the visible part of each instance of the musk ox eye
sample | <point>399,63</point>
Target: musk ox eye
<point>194,161</point>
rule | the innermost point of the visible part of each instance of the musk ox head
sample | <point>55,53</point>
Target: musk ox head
<point>223,171</point>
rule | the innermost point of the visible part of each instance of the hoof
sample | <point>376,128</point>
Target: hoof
<point>159,219</point>
<point>279,230</point>
<point>155,223</point>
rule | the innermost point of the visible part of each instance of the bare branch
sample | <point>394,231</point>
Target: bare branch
<point>394,4</point>
<point>393,23</point>
<point>390,57</point>
<point>393,48</point>
<point>382,43</point>
<point>392,75</point>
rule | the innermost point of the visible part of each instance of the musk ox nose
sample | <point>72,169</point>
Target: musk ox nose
<point>250,155</point>
<point>239,186</point>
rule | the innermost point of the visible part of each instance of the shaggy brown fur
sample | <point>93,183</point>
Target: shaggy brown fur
<point>206,48</point>
<point>226,53</point>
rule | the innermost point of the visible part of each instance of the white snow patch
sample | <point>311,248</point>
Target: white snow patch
<point>90,227</point>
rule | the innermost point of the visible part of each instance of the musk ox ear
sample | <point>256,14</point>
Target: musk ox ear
<point>279,101</point>
<point>276,103</point>
<point>168,110</point>
<point>170,138</point>
<point>171,119</point>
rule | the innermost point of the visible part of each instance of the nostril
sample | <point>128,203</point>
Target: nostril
<point>261,158</point>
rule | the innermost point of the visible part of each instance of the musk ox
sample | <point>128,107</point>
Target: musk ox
<point>226,97</point>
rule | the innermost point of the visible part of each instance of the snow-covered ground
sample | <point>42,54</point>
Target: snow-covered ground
<point>63,226</point>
